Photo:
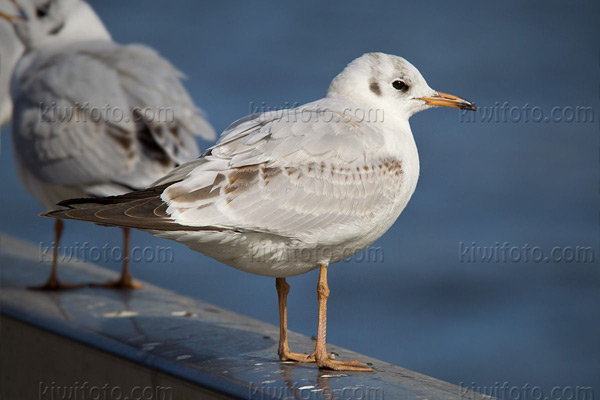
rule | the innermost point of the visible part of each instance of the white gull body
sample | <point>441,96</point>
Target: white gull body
<point>295,189</point>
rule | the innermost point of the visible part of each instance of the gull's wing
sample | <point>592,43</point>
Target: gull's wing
<point>99,112</point>
<point>273,173</point>
<point>10,51</point>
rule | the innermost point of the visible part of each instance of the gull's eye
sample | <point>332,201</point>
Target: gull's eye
<point>42,10</point>
<point>399,85</point>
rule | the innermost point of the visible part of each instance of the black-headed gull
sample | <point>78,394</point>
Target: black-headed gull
<point>286,192</point>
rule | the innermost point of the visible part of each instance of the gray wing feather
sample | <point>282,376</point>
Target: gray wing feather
<point>102,134</point>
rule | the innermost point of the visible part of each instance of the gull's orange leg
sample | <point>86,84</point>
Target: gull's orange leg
<point>126,280</point>
<point>53,283</point>
<point>321,356</point>
<point>284,350</point>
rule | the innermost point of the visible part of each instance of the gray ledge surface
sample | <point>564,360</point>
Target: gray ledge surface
<point>153,338</point>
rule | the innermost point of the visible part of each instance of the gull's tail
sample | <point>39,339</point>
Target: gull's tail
<point>142,209</point>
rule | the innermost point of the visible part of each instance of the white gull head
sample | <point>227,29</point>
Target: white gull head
<point>388,82</point>
<point>56,22</point>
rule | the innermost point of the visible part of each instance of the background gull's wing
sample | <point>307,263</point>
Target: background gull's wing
<point>91,114</point>
<point>152,81</point>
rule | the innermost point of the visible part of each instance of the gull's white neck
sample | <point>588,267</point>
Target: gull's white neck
<point>84,27</point>
<point>393,124</point>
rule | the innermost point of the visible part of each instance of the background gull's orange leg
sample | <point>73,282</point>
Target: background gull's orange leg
<point>283,288</point>
<point>321,356</point>
<point>126,280</point>
<point>53,283</point>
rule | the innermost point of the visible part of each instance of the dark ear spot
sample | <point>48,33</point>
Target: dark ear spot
<point>42,10</point>
<point>57,29</point>
<point>374,86</point>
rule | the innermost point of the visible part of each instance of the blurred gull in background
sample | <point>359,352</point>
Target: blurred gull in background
<point>91,117</point>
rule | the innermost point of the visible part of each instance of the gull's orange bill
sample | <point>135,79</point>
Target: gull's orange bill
<point>449,100</point>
